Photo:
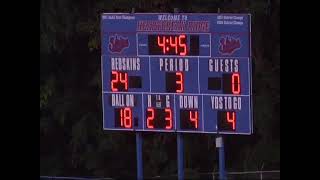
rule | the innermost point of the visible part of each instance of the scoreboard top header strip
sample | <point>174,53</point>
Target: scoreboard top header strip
<point>217,22</point>
<point>209,14</point>
<point>216,25</point>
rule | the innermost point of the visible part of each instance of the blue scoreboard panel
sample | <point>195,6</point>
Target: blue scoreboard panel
<point>176,72</point>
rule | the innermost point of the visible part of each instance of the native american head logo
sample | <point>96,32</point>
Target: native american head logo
<point>118,43</point>
<point>228,45</point>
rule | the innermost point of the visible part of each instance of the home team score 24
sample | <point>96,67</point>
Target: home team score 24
<point>177,73</point>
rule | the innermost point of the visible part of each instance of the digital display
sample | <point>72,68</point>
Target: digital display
<point>181,44</point>
<point>230,83</point>
<point>123,117</point>
<point>189,119</point>
<point>174,82</point>
<point>120,81</point>
<point>227,120</point>
<point>186,73</point>
<point>159,118</point>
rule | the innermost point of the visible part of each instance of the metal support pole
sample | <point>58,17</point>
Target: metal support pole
<point>139,156</point>
<point>180,156</point>
<point>261,172</point>
<point>220,145</point>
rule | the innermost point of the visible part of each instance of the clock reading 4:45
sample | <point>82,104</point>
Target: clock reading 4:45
<point>173,43</point>
<point>168,44</point>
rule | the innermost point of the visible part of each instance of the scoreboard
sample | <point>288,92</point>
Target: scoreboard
<point>176,72</point>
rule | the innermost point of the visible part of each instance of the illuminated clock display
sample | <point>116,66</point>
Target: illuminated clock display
<point>181,45</point>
